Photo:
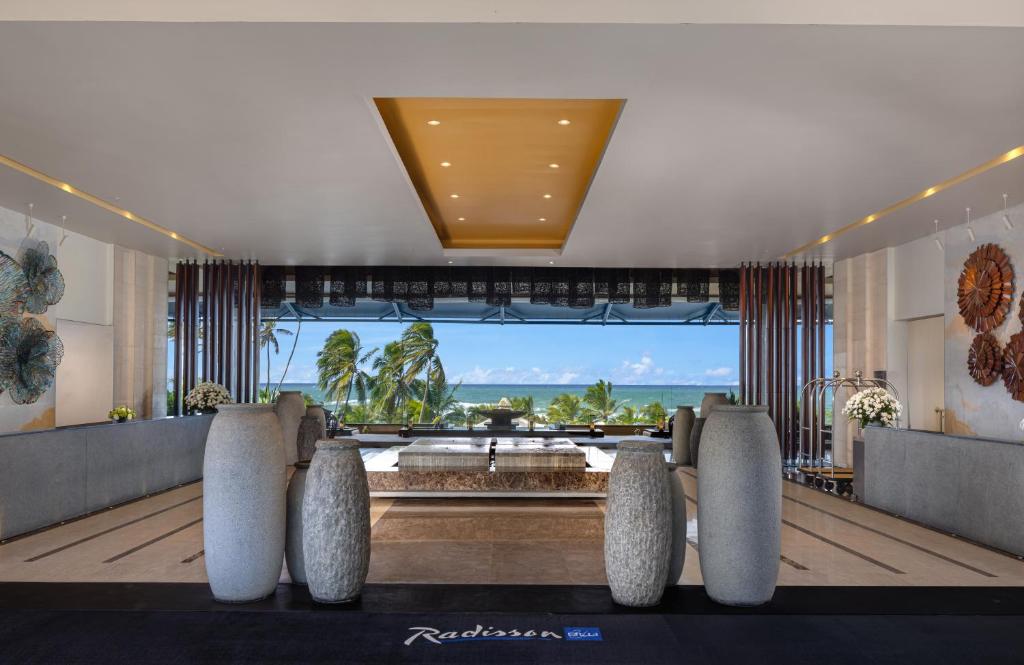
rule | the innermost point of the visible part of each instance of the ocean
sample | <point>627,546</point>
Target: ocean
<point>635,396</point>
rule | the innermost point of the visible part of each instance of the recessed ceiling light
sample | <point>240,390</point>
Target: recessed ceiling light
<point>542,219</point>
<point>451,262</point>
<point>446,164</point>
<point>547,196</point>
<point>551,263</point>
<point>553,166</point>
<point>564,122</point>
<point>453,196</point>
<point>433,123</point>
<point>462,219</point>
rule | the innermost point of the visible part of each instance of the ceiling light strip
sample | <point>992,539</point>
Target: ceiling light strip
<point>106,205</point>
<point>920,196</point>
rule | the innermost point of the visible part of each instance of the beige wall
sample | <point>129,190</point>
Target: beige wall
<point>925,372</point>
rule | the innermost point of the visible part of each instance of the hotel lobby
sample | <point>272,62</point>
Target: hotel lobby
<point>192,192</point>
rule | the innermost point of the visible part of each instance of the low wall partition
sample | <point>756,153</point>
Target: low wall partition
<point>969,486</point>
<point>54,475</point>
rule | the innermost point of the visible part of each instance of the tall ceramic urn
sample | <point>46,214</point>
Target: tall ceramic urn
<point>710,401</point>
<point>290,409</point>
<point>677,552</point>
<point>682,424</point>
<point>243,502</point>
<point>695,434</point>
<point>739,505</point>
<point>336,522</point>
<point>311,430</point>
<point>638,524</point>
<point>321,415</point>
<point>293,533</point>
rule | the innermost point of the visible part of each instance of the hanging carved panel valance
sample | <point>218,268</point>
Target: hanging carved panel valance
<point>1013,366</point>
<point>418,286</point>
<point>985,359</point>
<point>985,288</point>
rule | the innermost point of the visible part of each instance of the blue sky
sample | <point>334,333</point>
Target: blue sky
<point>552,354</point>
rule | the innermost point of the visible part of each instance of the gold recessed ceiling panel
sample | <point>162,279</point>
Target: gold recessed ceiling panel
<point>500,173</point>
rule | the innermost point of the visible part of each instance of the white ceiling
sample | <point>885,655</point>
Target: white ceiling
<point>736,142</point>
<point>775,12</point>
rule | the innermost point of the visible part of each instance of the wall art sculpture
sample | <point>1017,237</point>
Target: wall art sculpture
<point>1013,366</point>
<point>29,353</point>
<point>985,359</point>
<point>985,288</point>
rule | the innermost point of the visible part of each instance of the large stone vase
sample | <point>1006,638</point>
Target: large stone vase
<point>710,401</point>
<point>638,524</point>
<point>677,553</point>
<point>321,415</point>
<point>695,434</point>
<point>739,505</point>
<point>311,430</point>
<point>336,522</point>
<point>682,424</point>
<point>243,502</point>
<point>290,409</point>
<point>293,534</point>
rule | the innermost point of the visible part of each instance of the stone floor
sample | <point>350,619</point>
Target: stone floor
<point>826,541</point>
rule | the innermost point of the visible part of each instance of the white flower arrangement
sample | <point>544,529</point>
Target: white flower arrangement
<point>873,405</point>
<point>206,396</point>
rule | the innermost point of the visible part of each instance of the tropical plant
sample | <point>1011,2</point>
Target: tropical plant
<point>653,413</point>
<point>565,408</point>
<point>527,404</point>
<point>268,338</point>
<point>598,401</point>
<point>339,366</point>
<point>628,415</point>
<point>419,355</point>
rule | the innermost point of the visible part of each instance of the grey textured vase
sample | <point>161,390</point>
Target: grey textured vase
<point>695,434</point>
<point>293,534</point>
<point>681,426</point>
<point>243,502</point>
<point>638,524</point>
<point>677,553</point>
<point>336,522</point>
<point>311,430</point>
<point>318,411</point>
<point>739,505</point>
<point>710,401</point>
<point>290,408</point>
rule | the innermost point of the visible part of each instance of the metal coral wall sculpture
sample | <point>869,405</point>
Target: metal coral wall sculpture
<point>985,288</point>
<point>29,355</point>
<point>985,359</point>
<point>45,282</point>
<point>13,287</point>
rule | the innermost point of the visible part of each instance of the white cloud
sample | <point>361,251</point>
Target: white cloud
<point>567,377</point>
<point>719,372</point>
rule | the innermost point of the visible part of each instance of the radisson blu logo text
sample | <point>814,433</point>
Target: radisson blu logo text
<point>429,634</point>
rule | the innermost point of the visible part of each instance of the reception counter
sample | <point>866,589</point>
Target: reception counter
<point>969,486</point>
<point>56,474</point>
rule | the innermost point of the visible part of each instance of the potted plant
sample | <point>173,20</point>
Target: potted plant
<point>873,406</point>
<point>121,414</point>
<point>205,397</point>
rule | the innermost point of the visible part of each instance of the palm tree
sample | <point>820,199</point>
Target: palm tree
<point>389,389</point>
<point>267,338</point>
<point>653,412</point>
<point>338,365</point>
<point>419,354</point>
<point>527,404</point>
<point>564,408</point>
<point>627,416</point>
<point>291,354</point>
<point>599,403</point>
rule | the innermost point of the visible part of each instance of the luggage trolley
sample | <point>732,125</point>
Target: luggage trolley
<point>819,469</point>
